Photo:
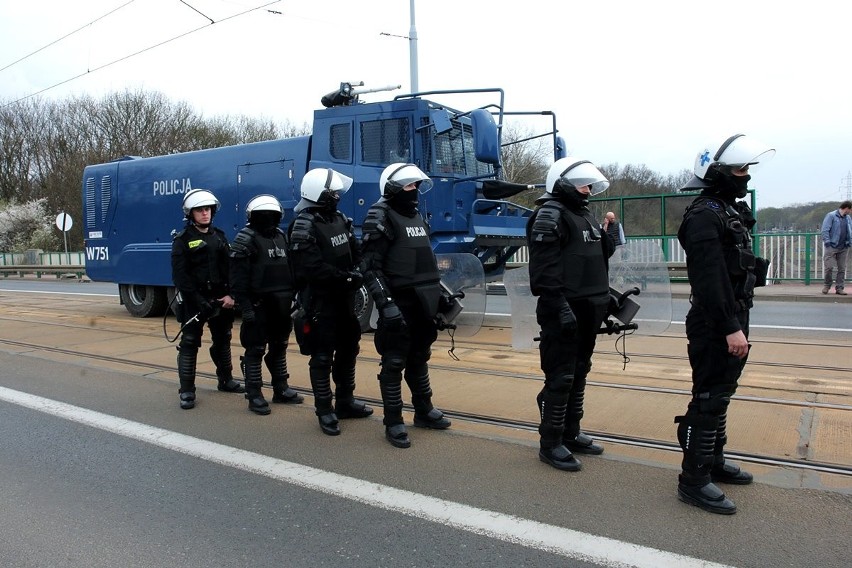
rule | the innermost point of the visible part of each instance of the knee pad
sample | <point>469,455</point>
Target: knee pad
<point>321,361</point>
<point>582,368</point>
<point>255,352</point>
<point>393,364</point>
<point>714,400</point>
<point>189,342</point>
<point>419,358</point>
<point>559,384</point>
<point>277,349</point>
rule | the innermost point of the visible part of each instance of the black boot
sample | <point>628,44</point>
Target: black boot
<point>583,444</point>
<point>425,415</point>
<point>390,385</point>
<point>186,359</point>
<point>560,457</point>
<point>551,408</point>
<point>708,497</point>
<point>221,356</point>
<point>345,405</point>
<point>724,471</point>
<point>573,438</point>
<point>697,436</point>
<point>187,400</point>
<point>281,391</point>
<point>320,372</point>
<point>327,418</point>
<point>252,368</point>
<point>397,435</point>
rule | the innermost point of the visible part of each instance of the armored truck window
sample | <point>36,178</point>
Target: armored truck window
<point>385,141</point>
<point>340,142</point>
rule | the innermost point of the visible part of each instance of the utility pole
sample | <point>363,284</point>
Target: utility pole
<point>412,43</point>
<point>845,187</point>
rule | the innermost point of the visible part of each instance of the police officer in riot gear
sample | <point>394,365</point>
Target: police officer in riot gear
<point>200,274</point>
<point>403,280</point>
<point>723,272</point>
<point>568,269</point>
<point>263,289</point>
<point>325,260</point>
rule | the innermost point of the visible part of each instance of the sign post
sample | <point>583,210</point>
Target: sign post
<point>64,224</point>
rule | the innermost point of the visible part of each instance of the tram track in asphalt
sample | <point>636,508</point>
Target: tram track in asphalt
<point>503,422</point>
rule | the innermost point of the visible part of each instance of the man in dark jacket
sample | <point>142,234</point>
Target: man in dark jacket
<point>263,289</point>
<point>326,261</point>
<point>723,272</point>
<point>402,277</point>
<point>200,274</point>
<point>569,254</point>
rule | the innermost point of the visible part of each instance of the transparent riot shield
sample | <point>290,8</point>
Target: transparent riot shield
<point>639,270</point>
<point>640,293</point>
<point>463,285</point>
<point>522,307</point>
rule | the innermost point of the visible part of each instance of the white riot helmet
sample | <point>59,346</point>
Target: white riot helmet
<point>199,198</point>
<point>396,176</point>
<point>570,173</point>
<point>735,153</point>
<point>324,186</point>
<point>263,203</point>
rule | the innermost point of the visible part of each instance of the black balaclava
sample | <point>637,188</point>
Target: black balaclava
<point>404,202</point>
<point>265,222</point>
<point>569,196</point>
<point>728,186</point>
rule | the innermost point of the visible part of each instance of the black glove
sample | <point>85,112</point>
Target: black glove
<point>392,317</point>
<point>249,316</point>
<point>567,320</point>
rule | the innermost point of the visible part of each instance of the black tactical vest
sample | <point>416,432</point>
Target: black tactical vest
<point>333,239</point>
<point>270,271</point>
<point>584,268</point>
<point>410,260</point>
<point>736,244</point>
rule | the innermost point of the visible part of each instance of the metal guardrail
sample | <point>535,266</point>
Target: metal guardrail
<point>60,264</point>
<point>793,257</point>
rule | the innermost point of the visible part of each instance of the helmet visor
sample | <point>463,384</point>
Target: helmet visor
<point>585,173</point>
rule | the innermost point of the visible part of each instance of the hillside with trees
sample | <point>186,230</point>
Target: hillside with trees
<point>44,146</point>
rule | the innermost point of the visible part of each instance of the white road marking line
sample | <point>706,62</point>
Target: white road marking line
<point>532,534</point>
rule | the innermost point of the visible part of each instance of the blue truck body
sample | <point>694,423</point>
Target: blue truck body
<point>132,206</point>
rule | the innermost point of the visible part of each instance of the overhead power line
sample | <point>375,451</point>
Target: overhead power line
<point>68,35</point>
<point>149,48</point>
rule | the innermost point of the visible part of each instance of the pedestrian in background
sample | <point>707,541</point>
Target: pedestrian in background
<point>723,272</point>
<point>325,259</point>
<point>262,286</point>
<point>614,229</point>
<point>200,275</point>
<point>569,255</point>
<point>836,239</point>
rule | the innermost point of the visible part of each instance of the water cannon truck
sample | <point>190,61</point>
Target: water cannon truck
<point>132,205</point>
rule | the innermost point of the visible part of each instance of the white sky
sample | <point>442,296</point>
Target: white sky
<point>631,82</point>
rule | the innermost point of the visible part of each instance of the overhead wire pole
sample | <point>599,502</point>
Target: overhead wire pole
<point>412,43</point>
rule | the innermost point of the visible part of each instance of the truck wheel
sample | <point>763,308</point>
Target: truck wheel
<point>143,301</point>
<point>363,308</point>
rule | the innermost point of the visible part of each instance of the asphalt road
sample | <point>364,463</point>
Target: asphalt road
<point>101,468</point>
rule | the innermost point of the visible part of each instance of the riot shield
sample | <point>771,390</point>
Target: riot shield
<point>639,267</point>
<point>522,307</point>
<point>463,285</point>
<point>640,293</point>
